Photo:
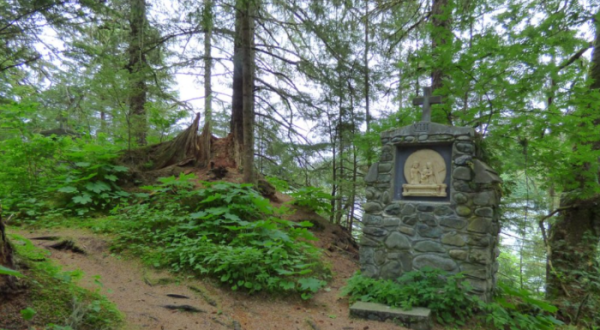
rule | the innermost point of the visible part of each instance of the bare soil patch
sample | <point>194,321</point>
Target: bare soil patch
<point>142,293</point>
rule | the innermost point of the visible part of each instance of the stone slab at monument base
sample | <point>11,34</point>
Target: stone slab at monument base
<point>417,318</point>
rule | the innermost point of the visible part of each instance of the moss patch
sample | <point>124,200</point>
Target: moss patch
<point>54,296</point>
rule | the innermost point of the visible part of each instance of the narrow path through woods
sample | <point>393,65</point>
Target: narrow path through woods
<point>142,294</point>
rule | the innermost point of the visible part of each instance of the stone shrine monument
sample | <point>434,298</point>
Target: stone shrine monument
<point>431,201</point>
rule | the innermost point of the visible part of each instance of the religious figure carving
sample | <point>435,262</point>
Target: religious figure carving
<point>424,180</point>
<point>415,173</point>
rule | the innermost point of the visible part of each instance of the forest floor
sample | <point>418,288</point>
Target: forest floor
<point>142,293</point>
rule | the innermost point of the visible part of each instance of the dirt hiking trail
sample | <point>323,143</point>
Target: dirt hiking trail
<point>153,300</point>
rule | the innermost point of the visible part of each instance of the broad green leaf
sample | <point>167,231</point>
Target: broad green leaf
<point>27,313</point>
<point>310,284</point>
<point>83,164</point>
<point>97,186</point>
<point>82,199</point>
<point>68,190</point>
<point>111,177</point>
<point>8,271</point>
<point>121,169</point>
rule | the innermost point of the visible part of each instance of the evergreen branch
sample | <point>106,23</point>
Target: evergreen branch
<point>276,56</point>
<point>267,158</point>
<point>268,31</point>
<point>31,12</point>
<point>410,28</point>
<point>30,60</point>
<point>282,49</point>
<point>287,79</point>
<point>183,32</point>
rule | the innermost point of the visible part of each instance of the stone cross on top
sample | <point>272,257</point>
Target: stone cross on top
<point>427,100</point>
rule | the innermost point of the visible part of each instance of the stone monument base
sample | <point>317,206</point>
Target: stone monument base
<point>417,318</point>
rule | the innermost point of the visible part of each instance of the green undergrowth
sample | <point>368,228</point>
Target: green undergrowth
<point>224,230</point>
<point>54,301</point>
<point>447,295</point>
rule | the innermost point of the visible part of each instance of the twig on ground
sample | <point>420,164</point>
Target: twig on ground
<point>184,308</point>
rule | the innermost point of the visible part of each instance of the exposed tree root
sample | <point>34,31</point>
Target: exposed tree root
<point>46,238</point>
<point>184,308</point>
<point>209,300</point>
<point>67,245</point>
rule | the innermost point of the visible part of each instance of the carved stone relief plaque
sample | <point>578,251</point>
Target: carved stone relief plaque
<point>425,171</point>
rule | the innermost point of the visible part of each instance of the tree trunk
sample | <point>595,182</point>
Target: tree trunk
<point>572,259</point>
<point>441,34</point>
<point>248,90</point>
<point>237,101</point>
<point>367,89</point>
<point>572,265</point>
<point>137,68</point>
<point>7,283</point>
<point>206,136</point>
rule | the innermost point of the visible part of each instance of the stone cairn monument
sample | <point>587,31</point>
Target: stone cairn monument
<point>431,201</point>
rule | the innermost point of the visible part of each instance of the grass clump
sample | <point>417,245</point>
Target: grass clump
<point>53,299</point>
<point>224,230</point>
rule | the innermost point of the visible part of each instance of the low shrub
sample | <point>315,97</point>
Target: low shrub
<point>225,230</point>
<point>446,295</point>
<point>312,198</point>
<point>450,302</point>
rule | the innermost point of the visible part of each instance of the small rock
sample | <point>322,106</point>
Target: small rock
<point>372,174</point>
<point>458,254</point>
<point>425,208</point>
<point>484,212</point>
<point>462,160</point>
<point>428,219</point>
<point>434,261</point>
<point>426,231</point>
<point>397,241</point>
<point>480,225</point>
<point>371,207</point>
<point>453,222</point>
<point>408,209</point>
<point>463,211</point>
<point>460,198</point>
<point>462,173</point>
<point>429,246</point>
<point>375,231</point>
<point>454,239</point>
